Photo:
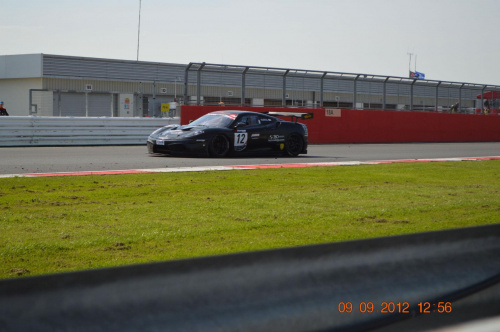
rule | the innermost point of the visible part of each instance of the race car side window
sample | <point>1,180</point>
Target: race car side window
<point>249,120</point>
<point>265,120</point>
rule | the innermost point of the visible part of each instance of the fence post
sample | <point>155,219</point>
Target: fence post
<point>283,97</point>
<point>198,85</point>
<point>355,93</point>
<point>411,95</point>
<point>437,95</point>
<point>186,77</point>
<point>243,83</point>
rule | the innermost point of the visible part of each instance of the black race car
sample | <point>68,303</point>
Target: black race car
<point>223,133</point>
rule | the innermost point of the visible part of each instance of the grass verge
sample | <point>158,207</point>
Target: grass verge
<point>72,223</point>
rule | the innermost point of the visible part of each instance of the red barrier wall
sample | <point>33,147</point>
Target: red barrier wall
<point>370,126</point>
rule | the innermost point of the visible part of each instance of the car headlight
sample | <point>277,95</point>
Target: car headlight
<point>195,133</point>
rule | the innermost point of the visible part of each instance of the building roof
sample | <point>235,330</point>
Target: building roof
<point>48,65</point>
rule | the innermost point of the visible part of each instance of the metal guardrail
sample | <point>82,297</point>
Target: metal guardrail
<point>362,285</point>
<point>47,131</point>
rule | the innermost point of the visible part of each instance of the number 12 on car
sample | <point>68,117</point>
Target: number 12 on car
<point>240,139</point>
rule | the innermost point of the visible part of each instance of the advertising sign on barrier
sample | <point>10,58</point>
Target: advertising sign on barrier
<point>335,112</point>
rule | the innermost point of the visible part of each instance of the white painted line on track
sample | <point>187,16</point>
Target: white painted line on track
<point>245,167</point>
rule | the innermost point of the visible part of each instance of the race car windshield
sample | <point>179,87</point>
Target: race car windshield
<point>214,120</point>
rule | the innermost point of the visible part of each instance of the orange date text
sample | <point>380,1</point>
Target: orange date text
<point>395,307</point>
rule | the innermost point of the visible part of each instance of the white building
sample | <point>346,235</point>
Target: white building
<point>52,85</point>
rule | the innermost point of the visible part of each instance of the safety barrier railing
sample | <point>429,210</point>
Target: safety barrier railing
<point>47,131</point>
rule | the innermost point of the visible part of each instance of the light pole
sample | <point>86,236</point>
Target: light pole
<point>409,64</point>
<point>139,29</point>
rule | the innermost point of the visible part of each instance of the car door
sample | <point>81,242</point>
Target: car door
<point>251,132</point>
<point>264,132</point>
<point>271,133</point>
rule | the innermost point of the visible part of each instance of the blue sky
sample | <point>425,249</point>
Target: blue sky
<point>453,40</point>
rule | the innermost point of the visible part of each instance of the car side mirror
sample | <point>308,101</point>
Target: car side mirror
<point>240,124</point>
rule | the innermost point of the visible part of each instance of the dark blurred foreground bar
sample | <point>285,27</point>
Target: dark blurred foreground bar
<point>308,288</point>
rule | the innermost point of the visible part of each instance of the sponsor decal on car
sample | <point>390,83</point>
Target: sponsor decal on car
<point>255,136</point>
<point>276,138</point>
<point>231,116</point>
<point>227,115</point>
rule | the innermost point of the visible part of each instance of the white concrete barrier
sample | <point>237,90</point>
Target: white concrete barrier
<point>56,131</point>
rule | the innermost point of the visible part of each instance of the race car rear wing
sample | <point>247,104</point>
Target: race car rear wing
<point>294,115</point>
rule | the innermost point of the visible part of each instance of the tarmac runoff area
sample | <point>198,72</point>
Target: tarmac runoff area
<point>246,167</point>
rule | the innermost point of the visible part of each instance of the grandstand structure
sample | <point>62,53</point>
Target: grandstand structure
<point>56,85</point>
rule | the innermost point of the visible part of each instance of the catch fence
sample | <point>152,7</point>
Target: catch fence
<point>218,84</point>
<point>87,87</point>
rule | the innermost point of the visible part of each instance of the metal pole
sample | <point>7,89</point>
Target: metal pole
<point>154,101</point>
<point>437,96</point>
<point>243,83</point>
<point>369,94</point>
<point>384,97</point>
<point>322,87</point>
<point>139,29</point>
<point>186,76</point>
<point>409,64</point>
<point>459,110</point>
<point>411,95</point>
<point>198,85</point>
<point>283,97</point>
<point>302,97</point>
<point>355,93</point>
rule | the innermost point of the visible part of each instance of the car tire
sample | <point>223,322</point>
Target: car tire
<point>294,145</point>
<point>219,146</point>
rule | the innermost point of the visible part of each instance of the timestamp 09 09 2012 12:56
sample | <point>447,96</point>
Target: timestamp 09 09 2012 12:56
<point>396,307</point>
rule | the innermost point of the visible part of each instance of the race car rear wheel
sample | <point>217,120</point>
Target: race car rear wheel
<point>219,146</point>
<point>294,145</point>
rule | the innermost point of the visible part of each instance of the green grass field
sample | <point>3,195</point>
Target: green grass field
<point>64,224</point>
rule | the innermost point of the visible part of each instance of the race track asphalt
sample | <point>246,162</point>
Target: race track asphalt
<point>21,160</point>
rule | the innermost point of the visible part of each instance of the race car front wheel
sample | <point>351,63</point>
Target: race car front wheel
<point>219,146</point>
<point>294,145</point>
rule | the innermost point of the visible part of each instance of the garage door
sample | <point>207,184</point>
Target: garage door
<point>76,104</point>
